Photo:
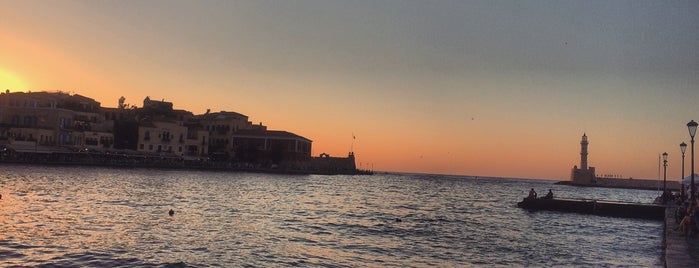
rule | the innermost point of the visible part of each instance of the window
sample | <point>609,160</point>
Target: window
<point>141,146</point>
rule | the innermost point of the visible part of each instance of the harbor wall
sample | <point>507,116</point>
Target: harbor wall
<point>596,207</point>
<point>637,184</point>
<point>628,183</point>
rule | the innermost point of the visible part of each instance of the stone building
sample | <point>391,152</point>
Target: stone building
<point>270,146</point>
<point>52,119</point>
<point>221,127</point>
<point>48,123</point>
<point>166,131</point>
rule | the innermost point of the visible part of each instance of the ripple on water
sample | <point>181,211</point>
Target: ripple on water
<point>107,217</point>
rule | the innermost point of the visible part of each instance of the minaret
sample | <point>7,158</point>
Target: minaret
<point>583,152</point>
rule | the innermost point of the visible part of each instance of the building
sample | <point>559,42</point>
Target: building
<point>326,164</point>
<point>53,119</point>
<point>270,146</point>
<point>221,127</point>
<point>63,128</point>
<point>168,132</point>
<point>166,138</point>
<point>197,142</point>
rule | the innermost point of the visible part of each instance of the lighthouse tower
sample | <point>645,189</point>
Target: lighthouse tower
<point>583,152</point>
<point>585,175</point>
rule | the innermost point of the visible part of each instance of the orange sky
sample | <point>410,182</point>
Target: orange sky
<point>487,89</point>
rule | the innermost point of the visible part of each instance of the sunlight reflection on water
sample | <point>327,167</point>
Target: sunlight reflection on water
<point>114,217</point>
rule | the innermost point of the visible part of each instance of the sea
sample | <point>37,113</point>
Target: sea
<point>118,217</point>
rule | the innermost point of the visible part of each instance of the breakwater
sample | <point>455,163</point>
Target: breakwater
<point>625,184</point>
<point>596,207</point>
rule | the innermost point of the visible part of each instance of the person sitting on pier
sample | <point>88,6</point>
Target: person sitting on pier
<point>549,195</point>
<point>686,223</point>
<point>532,194</point>
<point>680,212</point>
<point>695,220</point>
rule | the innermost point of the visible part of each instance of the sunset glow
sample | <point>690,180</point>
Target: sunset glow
<point>476,88</point>
<point>11,81</point>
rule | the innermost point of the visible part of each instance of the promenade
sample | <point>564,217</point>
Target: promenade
<point>680,251</point>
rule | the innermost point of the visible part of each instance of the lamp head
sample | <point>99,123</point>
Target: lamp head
<point>665,156</point>
<point>683,147</point>
<point>692,126</point>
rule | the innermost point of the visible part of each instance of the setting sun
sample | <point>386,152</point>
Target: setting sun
<point>11,81</point>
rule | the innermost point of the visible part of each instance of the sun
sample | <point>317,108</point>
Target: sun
<point>10,81</point>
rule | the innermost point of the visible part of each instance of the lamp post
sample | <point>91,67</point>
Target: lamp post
<point>664,196</point>
<point>692,126</point>
<point>683,148</point>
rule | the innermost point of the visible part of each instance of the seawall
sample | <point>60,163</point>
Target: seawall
<point>596,207</point>
<point>627,184</point>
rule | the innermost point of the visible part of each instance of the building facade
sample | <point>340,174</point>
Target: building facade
<point>221,127</point>
<point>52,119</point>
<point>62,123</point>
<point>270,146</point>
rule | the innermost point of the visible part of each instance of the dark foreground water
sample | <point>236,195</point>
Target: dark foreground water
<point>99,217</point>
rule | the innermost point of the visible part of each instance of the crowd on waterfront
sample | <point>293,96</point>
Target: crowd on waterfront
<point>686,213</point>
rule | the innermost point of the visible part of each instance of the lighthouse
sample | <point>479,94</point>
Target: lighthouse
<point>583,152</point>
<point>585,175</point>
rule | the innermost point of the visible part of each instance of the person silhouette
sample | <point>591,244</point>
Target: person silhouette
<point>549,195</point>
<point>532,193</point>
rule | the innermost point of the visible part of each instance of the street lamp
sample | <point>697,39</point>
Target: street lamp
<point>692,126</point>
<point>683,147</point>
<point>664,196</point>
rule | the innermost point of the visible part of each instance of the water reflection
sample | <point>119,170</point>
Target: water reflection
<point>110,217</point>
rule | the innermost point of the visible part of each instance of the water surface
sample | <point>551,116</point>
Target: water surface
<point>96,217</point>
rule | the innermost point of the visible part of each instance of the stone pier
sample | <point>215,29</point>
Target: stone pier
<point>680,251</point>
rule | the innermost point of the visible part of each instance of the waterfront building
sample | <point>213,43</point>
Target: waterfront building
<point>52,119</point>
<point>63,128</point>
<point>172,139</point>
<point>165,138</point>
<point>168,132</point>
<point>271,146</point>
<point>197,141</point>
<point>221,127</point>
<point>326,164</point>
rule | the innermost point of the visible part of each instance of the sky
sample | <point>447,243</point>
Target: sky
<point>482,88</point>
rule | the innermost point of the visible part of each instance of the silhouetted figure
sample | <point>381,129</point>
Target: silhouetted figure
<point>532,194</point>
<point>549,195</point>
<point>171,212</point>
